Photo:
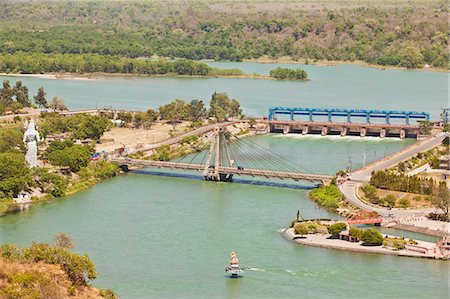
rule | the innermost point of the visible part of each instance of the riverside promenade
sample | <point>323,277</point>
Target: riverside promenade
<point>322,240</point>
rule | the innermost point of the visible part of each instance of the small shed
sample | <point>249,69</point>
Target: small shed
<point>345,235</point>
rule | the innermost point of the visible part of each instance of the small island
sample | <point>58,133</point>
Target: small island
<point>339,235</point>
<point>289,74</point>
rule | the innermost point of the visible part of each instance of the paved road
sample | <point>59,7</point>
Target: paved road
<point>362,175</point>
<point>198,131</point>
<point>349,191</point>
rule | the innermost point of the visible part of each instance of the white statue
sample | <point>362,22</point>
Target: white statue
<point>31,138</point>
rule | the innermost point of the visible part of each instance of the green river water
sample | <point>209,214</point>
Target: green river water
<point>165,237</point>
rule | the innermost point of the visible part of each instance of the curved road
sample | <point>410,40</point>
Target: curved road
<point>362,175</point>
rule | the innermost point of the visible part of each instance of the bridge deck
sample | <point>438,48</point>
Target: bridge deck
<point>296,176</point>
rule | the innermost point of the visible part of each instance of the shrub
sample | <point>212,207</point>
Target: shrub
<point>355,233</point>
<point>51,183</point>
<point>74,157</point>
<point>372,237</point>
<point>79,268</point>
<point>327,196</point>
<point>63,241</point>
<point>417,198</point>
<point>108,294</point>
<point>301,229</point>
<point>105,169</point>
<point>312,228</point>
<point>336,228</point>
<point>398,245</point>
<point>10,251</point>
<point>389,201</point>
<point>404,203</point>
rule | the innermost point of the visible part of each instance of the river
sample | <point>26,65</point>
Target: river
<point>342,86</point>
<point>164,237</point>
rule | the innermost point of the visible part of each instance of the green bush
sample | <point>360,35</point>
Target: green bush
<point>312,228</point>
<point>328,196</point>
<point>15,175</point>
<point>50,183</point>
<point>389,201</point>
<point>372,237</point>
<point>74,157</point>
<point>404,203</point>
<point>355,232</point>
<point>79,268</point>
<point>301,229</point>
<point>105,169</point>
<point>336,228</point>
<point>10,252</point>
<point>108,294</point>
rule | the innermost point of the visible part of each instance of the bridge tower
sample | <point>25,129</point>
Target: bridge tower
<point>218,156</point>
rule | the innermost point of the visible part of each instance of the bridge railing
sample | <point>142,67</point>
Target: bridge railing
<point>348,113</point>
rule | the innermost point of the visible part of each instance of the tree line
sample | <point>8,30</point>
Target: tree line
<point>438,193</point>
<point>38,63</point>
<point>385,179</point>
<point>408,34</point>
<point>17,97</point>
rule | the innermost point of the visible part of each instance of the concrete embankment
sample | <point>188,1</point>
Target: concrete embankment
<point>322,240</point>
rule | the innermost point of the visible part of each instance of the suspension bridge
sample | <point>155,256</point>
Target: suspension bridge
<point>227,158</point>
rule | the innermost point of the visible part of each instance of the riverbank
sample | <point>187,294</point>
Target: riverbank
<point>102,76</point>
<point>305,61</point>
<point>323,240</point>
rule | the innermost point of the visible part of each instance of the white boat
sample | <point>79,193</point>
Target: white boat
<point>234,269</point>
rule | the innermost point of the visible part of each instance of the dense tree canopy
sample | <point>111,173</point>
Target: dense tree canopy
<point>285,73</point>
<point>403,33</point>
<point>222,107</point>
<point>14,174</point>
<point>37,63</point>
<point>75,157</point>
<point>80,126</point>
<point>386,179</point>
<point>11,140</point>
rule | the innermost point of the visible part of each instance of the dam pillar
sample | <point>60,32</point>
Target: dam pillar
<point>286,129</point>
<point>402,133</point>
<point>305,130</point>
<point>382,133</point>
<point>343,131</point>
<point>363,132</point>
<point>324,131</point>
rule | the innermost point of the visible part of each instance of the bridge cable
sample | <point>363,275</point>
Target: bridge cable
<point>287,161</point>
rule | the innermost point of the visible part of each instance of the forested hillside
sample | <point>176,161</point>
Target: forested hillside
<point>399,33</point>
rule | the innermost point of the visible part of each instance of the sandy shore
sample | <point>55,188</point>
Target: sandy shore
<point>289,60</point>
<point>104,76</point>
<point>319,240</point>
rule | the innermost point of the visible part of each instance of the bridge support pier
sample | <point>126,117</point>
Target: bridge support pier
<point>363,132</point>
<point>382,133</point>
<point>402,133</point>
<point>324,131</point>
<point>344,131</point>
<point>286,129</point>
<point>305,130</point>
